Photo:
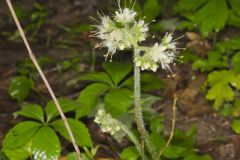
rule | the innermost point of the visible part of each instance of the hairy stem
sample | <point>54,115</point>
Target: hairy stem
<point>32,57</point>
<point>138,110</point>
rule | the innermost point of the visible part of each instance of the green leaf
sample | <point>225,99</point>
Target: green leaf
<point>67,105</point>
<point>216,93</point>
<point>20,87</point>
<point>117,101</point>
<point>97,77</point>
<point>173,152</point>
<point>156,125</point>
<point>233,19</point>
<point>32,111</point>
<point>18,153</point>
<point>151,82</point>
<point>235,4</point>
<point>236,62</point>
<point>235,125</point>
<point>148,82</point>
<point>196,157</point>
<point>45,144</point>
<point>186,5</point>
<point>117,70</point>
<point>88,98</point>
<point>20,134</point>
<point>157,140</point>
<point>151,9</point>
<point>130,153</point>
<point>79,130</point>
<point>214,60</point>
<point>219,82</point>
<point>219,12</point>
<point>231,44</point>
<point>72,156</point>
<point>184,139</point>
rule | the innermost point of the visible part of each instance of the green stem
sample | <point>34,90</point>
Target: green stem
<point>138,110</point>
<point>133,139</point>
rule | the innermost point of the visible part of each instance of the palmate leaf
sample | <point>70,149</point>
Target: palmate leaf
<point>212,16</point>
<point>117,70</point>
<point>20,134</point>
<point>31,111</point>
<point>201,10</point>
<point>117,101</point>
<point>88,98</point>
<point>220,90</point>
<point>45,144</point>
<point>79,130</point>
<point>67,105</point>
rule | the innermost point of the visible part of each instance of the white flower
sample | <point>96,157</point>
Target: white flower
<point>121,36</point>
<point>163,55</point>
<point>106,122</point>
<point>160,54</point>
<point>145,63</point>
<point>168,41</point>
<point>140,29</point>
<point>125,15</point>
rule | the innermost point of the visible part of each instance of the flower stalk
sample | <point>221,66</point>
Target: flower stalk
<point>124,31</point>
<point>138,110</point>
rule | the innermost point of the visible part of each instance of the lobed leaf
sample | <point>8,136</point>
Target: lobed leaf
<point>219,12</point>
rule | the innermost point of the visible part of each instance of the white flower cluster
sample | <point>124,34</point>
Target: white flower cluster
<point>106,122</point>
<point>163,54</point>
<point>121,32</point>
<point>124,31</point>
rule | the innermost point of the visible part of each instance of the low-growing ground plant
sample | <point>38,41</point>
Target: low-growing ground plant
<point>37,137</point>
<point>124,31</point>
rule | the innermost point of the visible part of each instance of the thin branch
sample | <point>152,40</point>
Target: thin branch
<point>172,129</point>
<point>31,55</point>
